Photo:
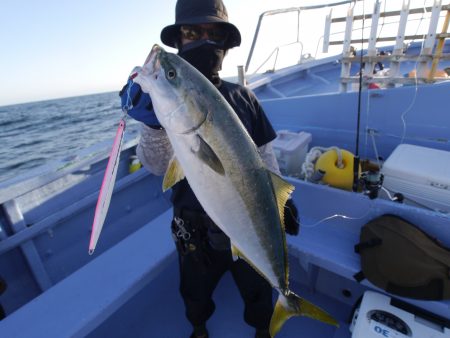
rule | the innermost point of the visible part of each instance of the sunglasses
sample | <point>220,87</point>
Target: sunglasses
<point>197,33</point>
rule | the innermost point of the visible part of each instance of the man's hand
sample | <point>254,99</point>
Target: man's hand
<point>139,105</point>
<point>291,220</point>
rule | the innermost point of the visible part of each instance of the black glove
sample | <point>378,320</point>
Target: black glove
<point>291,221</point>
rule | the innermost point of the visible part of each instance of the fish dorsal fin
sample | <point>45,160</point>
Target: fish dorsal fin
<point>207,155</point>
<point>174,174</point>
<point>282,190</point>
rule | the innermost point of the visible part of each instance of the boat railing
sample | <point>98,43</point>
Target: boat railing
<point>276,52</point>
<point>37,204</point>
<point>277,49</point>
<point>431,50</point>
<point>427,59</point>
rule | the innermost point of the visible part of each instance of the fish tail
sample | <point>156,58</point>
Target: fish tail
<point>289,305</point>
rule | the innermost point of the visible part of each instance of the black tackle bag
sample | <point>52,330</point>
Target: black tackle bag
<point>401,259</point>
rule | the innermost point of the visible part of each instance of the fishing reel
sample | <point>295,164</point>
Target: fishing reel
<point>371,182</point>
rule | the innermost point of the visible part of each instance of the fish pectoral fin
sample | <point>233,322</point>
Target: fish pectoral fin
<point>174,174</point>
<point>207,155</point>
<point>293,305</point>
<point>283,191</point>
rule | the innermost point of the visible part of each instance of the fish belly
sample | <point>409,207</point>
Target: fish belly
<point>224,203</point>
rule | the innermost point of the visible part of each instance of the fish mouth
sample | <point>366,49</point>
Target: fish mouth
<point>152,63</point>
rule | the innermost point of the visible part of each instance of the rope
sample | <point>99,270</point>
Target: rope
<point>312,156</point>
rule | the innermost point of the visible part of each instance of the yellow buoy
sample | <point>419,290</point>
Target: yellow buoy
<point>338,174</point>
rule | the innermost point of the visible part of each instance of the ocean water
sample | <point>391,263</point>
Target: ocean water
<point>33,134</point>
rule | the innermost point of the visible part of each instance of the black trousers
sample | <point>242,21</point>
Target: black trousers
<point>200,272</point>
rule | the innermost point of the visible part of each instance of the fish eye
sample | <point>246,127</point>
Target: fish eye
<point>171,74</point>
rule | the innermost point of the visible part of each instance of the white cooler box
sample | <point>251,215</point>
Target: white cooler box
<point>379,316</point>
<point>290,149</point>
<point>421,174</point>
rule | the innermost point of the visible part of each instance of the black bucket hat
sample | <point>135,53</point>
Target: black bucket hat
<point>195,12</point>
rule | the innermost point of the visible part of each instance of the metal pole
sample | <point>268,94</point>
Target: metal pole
<point>440,46</point>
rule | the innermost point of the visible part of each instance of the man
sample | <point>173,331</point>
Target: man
<point>202,35</point>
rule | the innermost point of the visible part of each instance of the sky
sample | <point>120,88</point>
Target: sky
<point>61,48</point>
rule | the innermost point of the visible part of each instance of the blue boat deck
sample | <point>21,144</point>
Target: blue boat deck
<point>139,277</point>
<point>131,290</point>
<point>129,287</point>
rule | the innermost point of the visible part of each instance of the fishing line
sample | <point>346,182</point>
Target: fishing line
<point>375,149</point>
<point>384,20</point>
<point>301,224</point>
<point>416,82</point>
<point>345,217</point>
<point>413,100</point>
<point>422,18</point>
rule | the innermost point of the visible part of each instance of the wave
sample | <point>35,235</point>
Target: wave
<point>36,133</point>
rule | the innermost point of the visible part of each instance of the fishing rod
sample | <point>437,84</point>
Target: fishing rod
<point>356,159</point>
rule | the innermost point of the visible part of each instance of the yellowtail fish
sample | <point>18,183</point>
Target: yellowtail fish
<point>213,150</point>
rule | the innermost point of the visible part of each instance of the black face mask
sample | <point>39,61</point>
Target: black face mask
<point>206,56</point>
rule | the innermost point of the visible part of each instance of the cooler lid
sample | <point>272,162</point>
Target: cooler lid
<point>416,163</point>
